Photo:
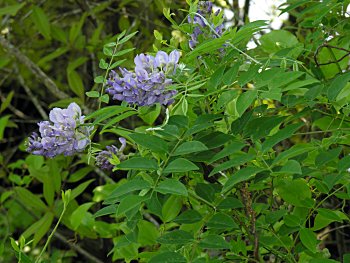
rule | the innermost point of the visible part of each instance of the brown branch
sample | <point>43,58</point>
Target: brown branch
<point>252,216</point>
<point>34,99</point>
<point>246,10</point>
<point>41,75</point>
<point>77,248</point>
<point>330,62</point>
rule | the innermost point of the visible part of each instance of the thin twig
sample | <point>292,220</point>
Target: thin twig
<point>34,99</point>
<point>331,230</point>
<point>17,112</point>
<point>77,248</point>
<point>41,75</point>
<point>330,47</point>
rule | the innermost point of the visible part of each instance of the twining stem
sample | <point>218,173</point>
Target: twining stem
<point>52,233</point>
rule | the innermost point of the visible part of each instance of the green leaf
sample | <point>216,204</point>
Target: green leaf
<point>123,52</point>
<point>178,237</point>
<point>190,147</point>
<point>138,163</point>
<point>106,112</point>
<point>92,94</point>
<point>11,9</point>
<point>346,257</point>
<point>30,200</point>
<point>249,75</point>
<point>277,40</point>
<point>214,242</point>
<point>231,74</point>
<point>117,63</point>
<point>76,63</point>
<point>227,151</point>
<point>48,190</point>
<point>337,85</point>
<point>78,215</point>
<point>325,260</point>
<point>230,203</point>
<point>79,174</point>
<point>292,152</point>
<point>168,257</point>
<point>149,114</point>
<point>209,45</point>
<point>240,176</point>
<point>260,127</point>
<point>308,239</point>
<point>237,159</point>
<point>108,210</point>
<point>41,22</point>
<point>7,101</point>
<point>80,188</point>
<point>300,84</point>
<point>151,142</point>
<point>3,124</point>
<point>103,64</point>
<point>344,163</point>
<point>99,79</point>
<point>127,37</point>
<point>291,167</point>
<point>43,227</point>
<point>245,100</point>
<point>104,98</point>
<point>148,233</point>
<point>280,136</point>
<point>326,156</point>
<point>221,221</point>
<point>206,191</point>
<point>117,119</point>
<point>39,226</point>
<point>294,192</point>
<point>188,217</point>
<point>216,139</point>
<point>331,215</point>
<point>273,216</point>
<point>172,186</point>
<point>216,78</point>
<point>128,203</point>
<point>157,35</point>
<point>75,83</point>
<point>171,208</point>
<point>130,186</point>
<point>108,51</point>
<point>292,221</point>
<point>180,165</point>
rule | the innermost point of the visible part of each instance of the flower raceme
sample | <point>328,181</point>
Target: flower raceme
<point>102,158</point>
<point>148,83</point>
<point>205,9</point>
<point>63,135</point>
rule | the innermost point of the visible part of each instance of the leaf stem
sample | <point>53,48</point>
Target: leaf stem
<point>52,234</point>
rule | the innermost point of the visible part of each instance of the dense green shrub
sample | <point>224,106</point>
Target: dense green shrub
<point>249,163</point>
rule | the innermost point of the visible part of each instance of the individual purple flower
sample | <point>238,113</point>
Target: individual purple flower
<point>63,135</point>
<point>102,158</point>
<point>201,29</point>
<point>149,82</point>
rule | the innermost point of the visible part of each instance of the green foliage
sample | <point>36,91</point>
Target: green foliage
<point>250,163</point>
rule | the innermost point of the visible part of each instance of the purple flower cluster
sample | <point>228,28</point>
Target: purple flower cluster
<point>63,135</point>
<point>148,83</point>
<point>205,9</point>
<point>102,158</point>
